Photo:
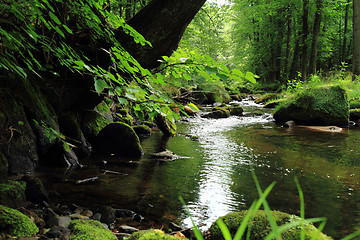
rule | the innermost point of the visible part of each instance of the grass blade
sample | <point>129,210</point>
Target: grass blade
<point>272,222</point>
<point>196,231</point>
<point>351,236</point>
<point>302,207</point>
<point>287,226</point>
<point>251,212</point>
<point>224,229</point>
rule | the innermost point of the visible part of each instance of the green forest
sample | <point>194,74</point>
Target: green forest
<point>83,80</point>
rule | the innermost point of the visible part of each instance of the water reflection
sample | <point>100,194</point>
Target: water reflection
<point>216,179</point>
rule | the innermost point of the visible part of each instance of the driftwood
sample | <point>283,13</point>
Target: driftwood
<point>87,180</point>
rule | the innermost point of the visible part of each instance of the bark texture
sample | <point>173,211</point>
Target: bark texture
<point>163,23</point>
<point>315,38</point>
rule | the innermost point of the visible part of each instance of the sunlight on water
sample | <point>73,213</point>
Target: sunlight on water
<point>221,154</point>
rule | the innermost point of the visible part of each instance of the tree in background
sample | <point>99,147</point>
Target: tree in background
<point>356,37</point>
<point>281,40</point>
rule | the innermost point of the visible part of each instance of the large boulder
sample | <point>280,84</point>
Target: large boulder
<point>316,106</point>
<point>15,223</point>
<point>25,121</point>
<point>260,226</point>
<point>119,139</point>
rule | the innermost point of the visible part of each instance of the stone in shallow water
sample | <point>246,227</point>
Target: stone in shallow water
<point>119,139</point>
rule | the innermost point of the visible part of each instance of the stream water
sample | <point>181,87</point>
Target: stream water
<point>216,178</point>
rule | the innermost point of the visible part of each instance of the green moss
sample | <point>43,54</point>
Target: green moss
<point>218,113</point>
<point>89,230</point>
<point>151,235</point>
<point>92,123</point>
<point>142,130</point>
<point>266,98</point>
<point>260,226</point>
<point>12,192</point>
<point>149,124</point>
<point>236,110</point>
<point>15,223</point>
<point>315,106</point>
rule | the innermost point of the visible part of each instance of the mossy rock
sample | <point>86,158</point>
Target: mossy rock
<point>119,139</point>
<point>235,110</point>
<point>274,103</point>
<point>152,235</point>
<point>316,106</point>
<point>266,98</point>
<point>122,115</point>
<point>15,223</point>
<point>150,124</point>
<point>89,230</point>
<point>12,193</point>
<point>260,226</point>
<point>92,123</point>
<point>142,130</point>
<point>214,93</point>
<point>218,113</point>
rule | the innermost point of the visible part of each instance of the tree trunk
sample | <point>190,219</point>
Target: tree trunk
<point>315,38</point>
<point>286,73</point>
<point>295,61</point>
<point>162,22</point>
<point>356,37</point>
<point>305,33</point>
<point>343,50</point>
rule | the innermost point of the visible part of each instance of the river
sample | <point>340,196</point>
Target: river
<point>216,179</point>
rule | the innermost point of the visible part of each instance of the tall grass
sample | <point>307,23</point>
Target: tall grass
<point>243,231</point>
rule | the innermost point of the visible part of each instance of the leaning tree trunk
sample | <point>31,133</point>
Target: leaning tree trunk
<point>356,37</point>
<point>162,22</point>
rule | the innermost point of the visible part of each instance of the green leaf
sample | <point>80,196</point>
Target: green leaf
<point>130,96</point>
<point>175,74</point>
<point>237,72</point>
<point>21,123</point>
<point>211,70</point>
<point>54,18</point>
<point>57,29</point>
<point>250,76</point>
<point>122,100</point>
<point>187,76</point>
<point>100,85</point>
<point>67,29</point>
<point>193,107</point>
